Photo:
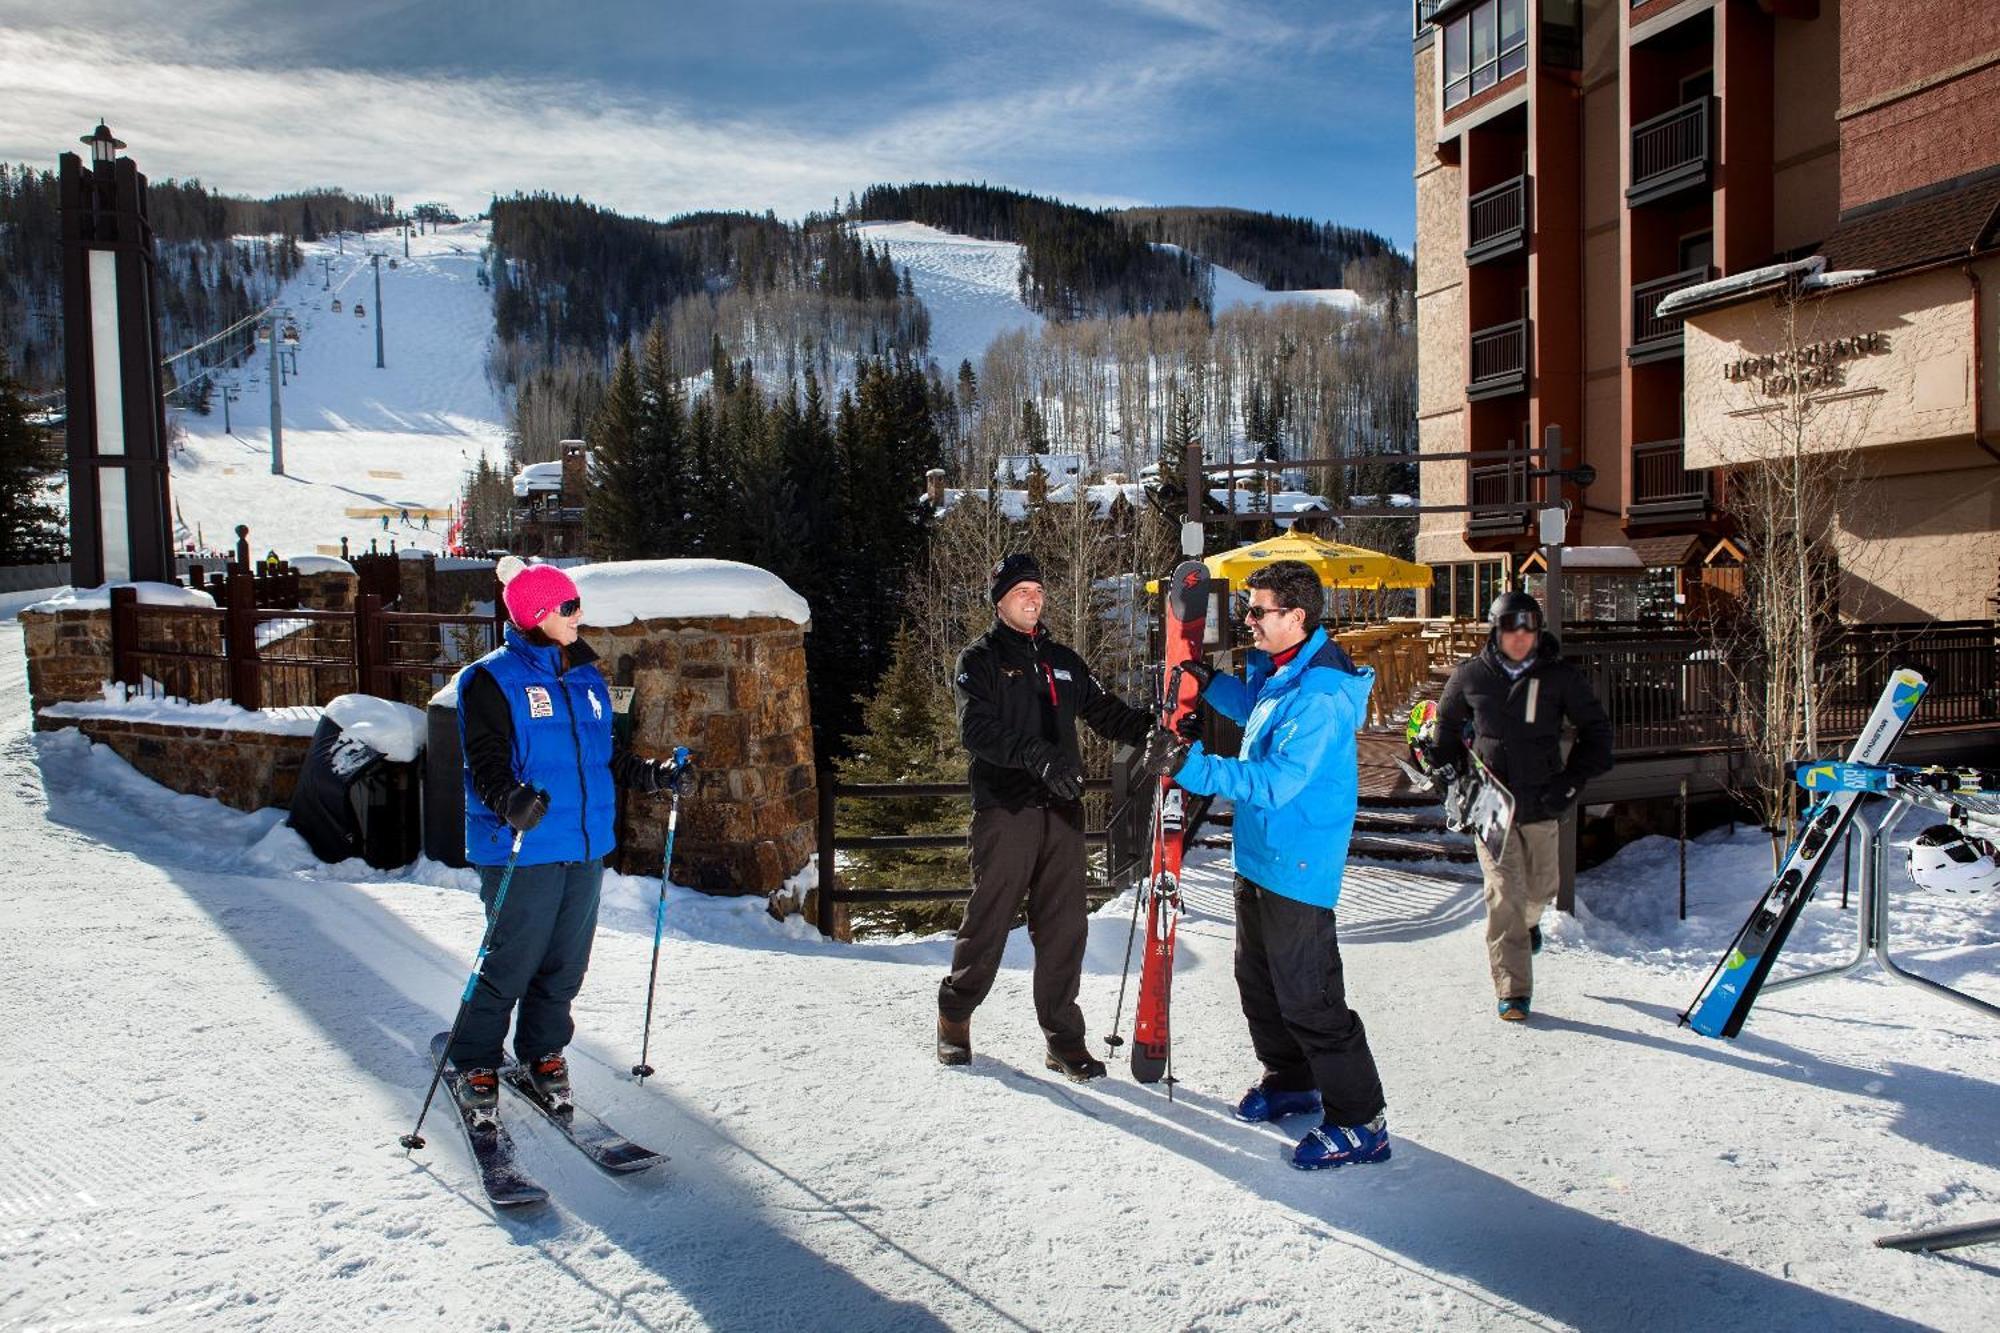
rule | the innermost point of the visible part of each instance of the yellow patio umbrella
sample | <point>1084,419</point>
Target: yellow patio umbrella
<point>1337,564</point>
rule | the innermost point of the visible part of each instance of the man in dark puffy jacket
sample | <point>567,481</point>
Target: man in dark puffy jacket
<point>1517,694</point>
<point>1020,694</point>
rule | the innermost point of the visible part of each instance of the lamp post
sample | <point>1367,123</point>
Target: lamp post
<point>119,513</point>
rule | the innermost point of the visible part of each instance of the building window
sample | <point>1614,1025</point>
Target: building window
<point>1483,46</point>
<point>1441,591</point>
<point>1462,592</point>
<point>1490,575</point>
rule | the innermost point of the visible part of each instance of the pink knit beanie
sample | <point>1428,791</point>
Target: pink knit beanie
<point>532,591</point>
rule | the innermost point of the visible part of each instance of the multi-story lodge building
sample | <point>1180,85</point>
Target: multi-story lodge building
<point>1579,161</point>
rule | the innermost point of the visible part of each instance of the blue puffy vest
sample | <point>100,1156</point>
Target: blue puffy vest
<point>562,745</point>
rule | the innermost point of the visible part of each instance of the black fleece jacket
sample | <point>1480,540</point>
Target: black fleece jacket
<point>1019,698</point>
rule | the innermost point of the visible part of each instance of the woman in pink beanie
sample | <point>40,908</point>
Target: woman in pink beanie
<point>534,719</point>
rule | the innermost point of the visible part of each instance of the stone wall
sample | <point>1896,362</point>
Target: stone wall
<point>247,770</point>
<point>69,657</point>
<point>733,692</point>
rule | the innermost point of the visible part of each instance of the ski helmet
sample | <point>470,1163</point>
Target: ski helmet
<point>1510,604</point>
<point>1946,857</point>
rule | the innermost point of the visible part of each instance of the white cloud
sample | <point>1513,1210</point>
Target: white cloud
<point>256,131</point>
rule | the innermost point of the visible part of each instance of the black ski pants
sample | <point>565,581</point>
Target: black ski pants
<point>1294,994</point>
<point>1036,852</point>
<point>539,952</point>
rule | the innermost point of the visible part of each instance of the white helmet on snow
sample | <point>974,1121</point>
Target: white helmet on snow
<point>1946,857</point>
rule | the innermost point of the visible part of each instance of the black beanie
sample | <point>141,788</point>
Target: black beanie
<point>1013,569</point>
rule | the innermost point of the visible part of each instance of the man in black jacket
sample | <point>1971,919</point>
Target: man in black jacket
<point>1020,694</point>
<point>1517,694</point>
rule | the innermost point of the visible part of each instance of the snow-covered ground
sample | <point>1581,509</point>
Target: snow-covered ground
<point>358,441</point>
<point>969,286</point>
<point>214,1043</point>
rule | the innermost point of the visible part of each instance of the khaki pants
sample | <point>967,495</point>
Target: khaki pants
<point>1519,888</point>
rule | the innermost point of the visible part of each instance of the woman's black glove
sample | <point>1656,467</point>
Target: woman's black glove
<point>523,808</point>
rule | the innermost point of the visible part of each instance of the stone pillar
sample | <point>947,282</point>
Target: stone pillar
<point>69,657</point>
<point>734,692</point>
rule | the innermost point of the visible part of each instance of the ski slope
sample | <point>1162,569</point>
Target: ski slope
<point>359,442</point>
<point>216,1042</point>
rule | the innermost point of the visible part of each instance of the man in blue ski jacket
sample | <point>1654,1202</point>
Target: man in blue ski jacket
<point>1294,787</point>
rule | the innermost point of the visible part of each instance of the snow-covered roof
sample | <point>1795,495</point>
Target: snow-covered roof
<point>1012,502</point>
<point>622,591</point>
<point>99,598</point>
<point>1292,503</point>
<point>1059,467</point>
<point>1810,273</point>
<point>394,731</point>
<point>1601,557</point>
<point>538,477</point>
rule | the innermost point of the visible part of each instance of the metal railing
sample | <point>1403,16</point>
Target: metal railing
<point>1672,151</point>
<point>1496,220</point>
<point>1652,331</point>
<point>1498,494</point>
<point>1499,360</point>
<point>1663,487</point>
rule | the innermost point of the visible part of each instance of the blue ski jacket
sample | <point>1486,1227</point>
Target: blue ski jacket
<point>1296,782</point>
<point>562,744</point>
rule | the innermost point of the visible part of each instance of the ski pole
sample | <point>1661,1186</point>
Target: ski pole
<point>415,1139</point>
<point>642,1071</point>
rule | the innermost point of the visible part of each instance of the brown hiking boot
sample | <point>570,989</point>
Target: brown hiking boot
<point>1078,1065</point>
<point>954,1041</point>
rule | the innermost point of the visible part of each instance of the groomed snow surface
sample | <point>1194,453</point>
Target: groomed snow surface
<point>216,1042</point>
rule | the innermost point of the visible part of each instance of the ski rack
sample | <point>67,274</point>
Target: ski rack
<point>1873,916</point>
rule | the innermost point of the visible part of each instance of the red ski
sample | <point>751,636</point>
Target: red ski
<point>1187,620</point>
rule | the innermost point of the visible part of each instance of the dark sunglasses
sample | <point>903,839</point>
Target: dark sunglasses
<point>1259,612</point>
<point>1520,620</point>
<point>571,607</point>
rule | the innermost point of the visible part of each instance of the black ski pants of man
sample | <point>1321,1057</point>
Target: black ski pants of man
<point>1294,994</point>
<point>537,959</point>
<point>1036,851</point>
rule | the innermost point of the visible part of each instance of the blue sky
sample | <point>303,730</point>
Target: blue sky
<point>1294,106</point>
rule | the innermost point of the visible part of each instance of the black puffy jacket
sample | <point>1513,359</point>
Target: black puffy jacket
<point>1018,702</point>
<point>1517,727</point>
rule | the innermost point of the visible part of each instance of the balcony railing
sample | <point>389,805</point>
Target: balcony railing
<point>1496,221</point>
<point>1499,360</point>
<point>1498,493</point>
<point>1662,488</point>
<point>1672,152</point>
<point>1656,337</point>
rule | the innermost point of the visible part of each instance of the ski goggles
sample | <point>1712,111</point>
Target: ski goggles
<point>571,607</point>
<point>1518,621</point>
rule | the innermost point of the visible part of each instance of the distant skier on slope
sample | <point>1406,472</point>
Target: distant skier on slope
<point>1517,693</point>
<point>1295,788</point>
<point>535,719</point>
<point>1019,696</point>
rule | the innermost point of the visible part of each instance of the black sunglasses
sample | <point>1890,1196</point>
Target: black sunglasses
<point>571,607</point>
<point>1259,612</point>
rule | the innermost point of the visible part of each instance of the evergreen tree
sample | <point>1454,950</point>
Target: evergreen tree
<point>30,522</point>
<point>617,508</point>
<point>909,733</point>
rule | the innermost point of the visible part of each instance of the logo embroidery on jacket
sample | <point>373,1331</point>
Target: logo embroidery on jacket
<point>596,708</point>
<point>1061,674</point>
<point>539,703</point>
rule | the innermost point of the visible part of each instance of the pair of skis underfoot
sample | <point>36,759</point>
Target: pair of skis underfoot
<point>505,1183</point>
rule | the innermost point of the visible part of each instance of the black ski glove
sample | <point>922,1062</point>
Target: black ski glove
<point>1200,671</point>
<point>523,808</point>
<point>1189,727</point>
<point>657,775</point>
<point>1058,772</point>
<point>1165,753</point>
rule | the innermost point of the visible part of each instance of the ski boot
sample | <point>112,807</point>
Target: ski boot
<point>478,1095</point>
<point>1514,1009</point>
<point>550,1077</point>
<point>1262,1104</point>
<point>1343,1145</point>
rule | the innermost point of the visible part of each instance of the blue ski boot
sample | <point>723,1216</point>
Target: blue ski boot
<point>1343,1145</point>
<point>1514,1009</point>
<point>1262,1104</point>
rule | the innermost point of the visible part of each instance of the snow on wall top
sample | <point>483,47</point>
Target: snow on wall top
<point>394,731</point>
<point>318,564</point>
<point>537,477</point>
<point>120,704</point>
<point>622,591</point>
<point>99,598</point>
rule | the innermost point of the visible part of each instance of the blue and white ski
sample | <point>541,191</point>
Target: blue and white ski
<point>1732,988</point>
<point>1882,779</point>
